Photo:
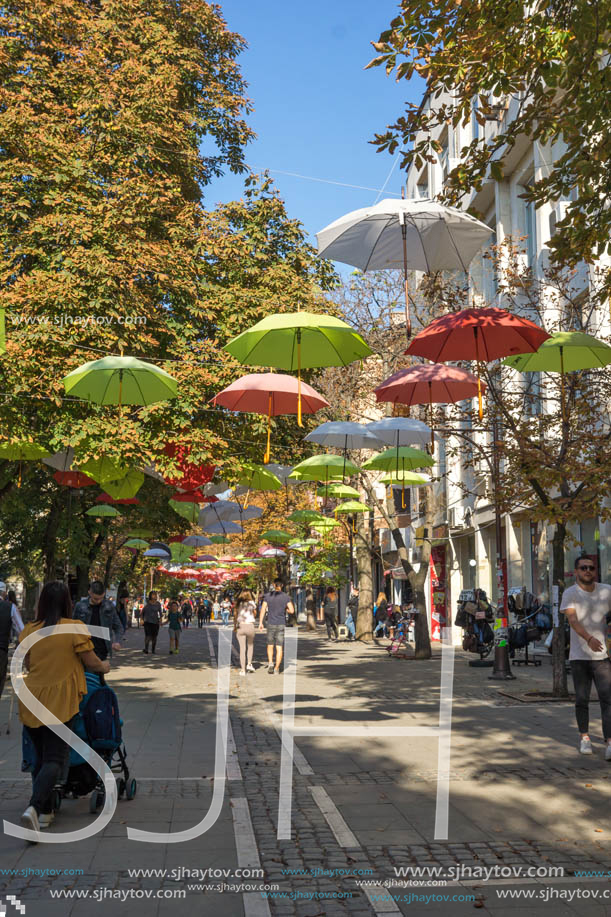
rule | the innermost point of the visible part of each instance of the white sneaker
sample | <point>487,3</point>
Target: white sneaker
<point>242,672</point>
<point>45,819</point>
<point>29,819</point>
<point>250,668</point>
<point>608,752</point>
<point>585,746</point>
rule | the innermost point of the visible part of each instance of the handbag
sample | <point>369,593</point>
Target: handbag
<point>532,634</point>
<point>461,618</point>
<point>470,643</point>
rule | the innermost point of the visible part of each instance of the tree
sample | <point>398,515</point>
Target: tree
<point>549,60</point>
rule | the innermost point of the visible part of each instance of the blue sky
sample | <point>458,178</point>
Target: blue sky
<point>316,108</point>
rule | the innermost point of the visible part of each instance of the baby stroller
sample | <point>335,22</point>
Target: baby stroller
<point>99,725</point>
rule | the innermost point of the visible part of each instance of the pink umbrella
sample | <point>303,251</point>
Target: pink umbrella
<point>271,394</point>
<point>426,383</point>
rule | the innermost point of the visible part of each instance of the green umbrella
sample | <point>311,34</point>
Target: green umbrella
<point>180,552</point>
<point>563,352</point>
<point>23,451</point>
<point>277,536</point>
<point>305,516</point>
<point>103,469</point>
<point>323,468</point>
<point>219,539</point>
<point>295,341</point>
<point>405,458</point>
<point>188,511</point>
<point>255,477</point>
<point>120,380</point>
<point>325,525</point>
<point>136,543</point>
<point>126,487</point>
<point>339,491</point>
<point>103,510</point>
<point>406,478</point>
<point>141,533</point>
<point>352,506</point>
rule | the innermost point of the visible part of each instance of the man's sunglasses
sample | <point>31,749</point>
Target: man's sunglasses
<point>591,568</point>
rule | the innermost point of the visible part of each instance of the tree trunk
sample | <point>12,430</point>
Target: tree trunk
<point>364,617</point>
<point>560,688</point>
<point>422,639</point>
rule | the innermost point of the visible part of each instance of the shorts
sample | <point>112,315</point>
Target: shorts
<point>275,634</point>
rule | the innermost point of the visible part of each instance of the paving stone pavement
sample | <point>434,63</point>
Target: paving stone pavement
<point>521,797</point>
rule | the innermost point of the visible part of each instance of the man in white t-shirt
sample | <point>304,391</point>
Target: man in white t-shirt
<point>586,605</point>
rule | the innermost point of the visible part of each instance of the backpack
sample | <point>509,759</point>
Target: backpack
<point>101,718</point>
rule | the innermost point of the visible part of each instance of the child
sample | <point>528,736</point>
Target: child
<point>174,626</point>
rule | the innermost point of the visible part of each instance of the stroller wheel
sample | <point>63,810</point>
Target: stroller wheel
<point>96,801</point>
<point>130,791</point>
<point>121,786</point>
<point>56,801</point>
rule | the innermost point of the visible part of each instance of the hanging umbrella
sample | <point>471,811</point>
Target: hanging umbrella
<point>296,341</point>
<point>62,461</point>
<point>191,496</point>
<point>120,380</point>
<point>23,451</point>
<point>426,383</point>
<point>323,468</point>
<point>305,516</point>
<point>271,394</point>
<point>405,458</point>
<point>272,552</point>
<point>324,526</point>
<point>219,539</point>
<point>196,541</point>
<point>352,506</point>
<point>223,528</point>
<point>188,511</point>
<point>136,543</point>
<point>140,533</point>
<point>401,431</point>
<point>126,486</point>
<point>180,553</point>
<point>415,235</point>
<point>563,352</point>
<point>255,477</point>
<point>282,472</point>
<point>404,478</point>
<point>477,334</point>
<point>103,510</point>
<point>74,479</point>
<point>157,552</point>
<point>121,501</point>
<point>103,469</point>
<point>277,536</point>
<point>338,492</point>
<point>344,435</point>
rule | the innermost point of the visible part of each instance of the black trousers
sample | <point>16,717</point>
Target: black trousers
<point>586,671</point>
<point>3,668</point>
<point>331,623</point>
<point>151,632</point>
<point>51,764</point>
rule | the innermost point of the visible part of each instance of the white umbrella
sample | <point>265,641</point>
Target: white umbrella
<point>224,527</point>
<point>401,431</point>
<point>61,461</point>
<point>415,235</point>
<point>344,435</point>
<point>157,552</point>
<point>227,510</point>
<point>196,541</point>
<point>281,471</point>
<point>272,552</point>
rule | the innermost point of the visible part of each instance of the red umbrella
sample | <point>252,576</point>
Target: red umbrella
<point>192,496</point>
<point>477,334</point>
<point>426,383</point>
<point>271,394</point>
<point>126,501</point>
<point>73,479</point>
<point>191,476</point>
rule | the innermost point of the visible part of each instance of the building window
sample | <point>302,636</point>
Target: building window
<point>474,121</point>
<point>528,226</point>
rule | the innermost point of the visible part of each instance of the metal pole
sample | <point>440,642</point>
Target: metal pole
<point>351,544</point>
<point>501,670</point>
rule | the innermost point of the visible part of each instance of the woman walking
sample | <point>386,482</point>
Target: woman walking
<point>381,613</point>
<point>56,678</point>
<point>151,617</point>
<point>244,618</point>
<point>174,626</point>
<point>329,609</point>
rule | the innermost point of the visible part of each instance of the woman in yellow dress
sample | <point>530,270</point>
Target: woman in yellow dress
<point>56,678</point>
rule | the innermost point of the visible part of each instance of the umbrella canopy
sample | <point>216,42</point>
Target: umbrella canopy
<point>73,479</point>
<point>403,459</point>
<point>120,380</point>
<point>158,552</point>
<point>136,543</point>
<point>123,501</point>
<point>271,394</point>
<point>103,469</point>
<point>305,516</point>
<point>180,552</point>
<point>281,471</point>
<point>103,510</point>
<point>323,468</point>
<point>405,478</point>
<point>564,352</point>
<point>191,496</point>
<point>324,525</point>
<point>126,486</point>
<point>277,536</point>
<point>339,492</point>
<point>344,435</point>
<point>23,451</point>
<point>477,334</point>
<point>188,511</point>
<point>415,235</point>
<point>62,461</point>
<point>272,552</point>
<point>219,539</point>
<point>196,541</point>
<point>255,477</point>
<point>223,528</point>
<point>352,506</point>
<point>401,431</point>
<point>222,509</point>
<point>141,533</point>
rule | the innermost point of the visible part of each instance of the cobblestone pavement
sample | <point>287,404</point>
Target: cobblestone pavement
<point>521,797</point>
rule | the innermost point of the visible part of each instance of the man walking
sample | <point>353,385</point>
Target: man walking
<point>586,605</point>
<point>276,604</point>
<point>9,618</point>
<point>99,611</point>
